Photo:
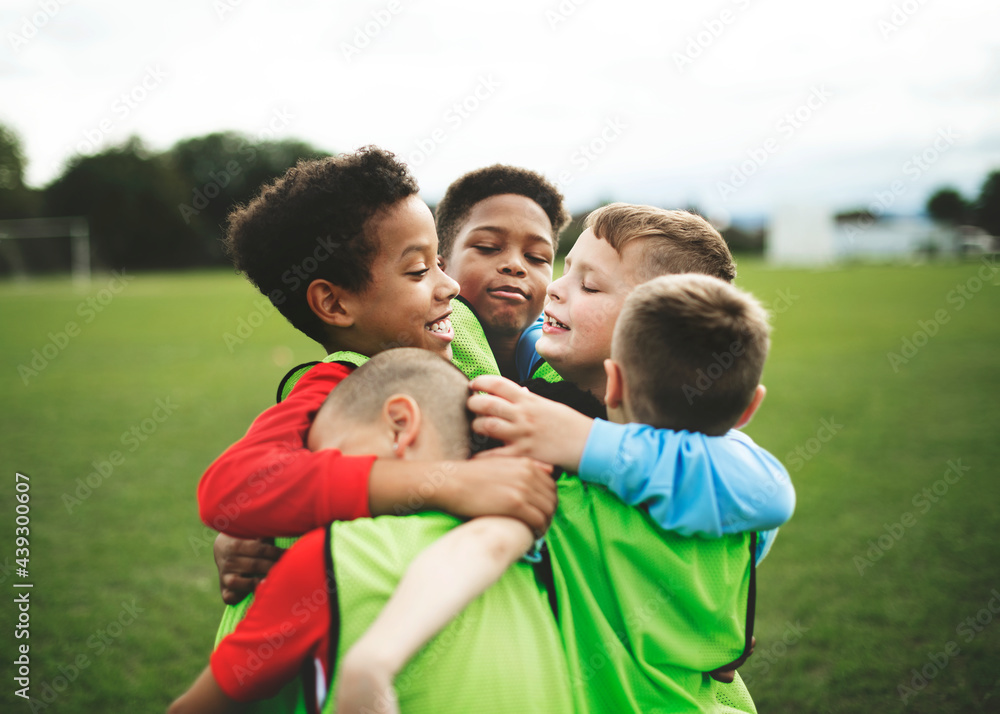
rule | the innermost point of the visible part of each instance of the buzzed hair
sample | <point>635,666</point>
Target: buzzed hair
<point>692,349</point>
<point>672,241</point>
<point>438,387</point>
<point>475,186</point>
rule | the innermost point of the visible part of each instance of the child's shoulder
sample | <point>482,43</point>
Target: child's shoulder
<point>316,373</point>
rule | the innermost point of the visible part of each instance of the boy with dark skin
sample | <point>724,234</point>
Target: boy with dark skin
<point>498,231</point>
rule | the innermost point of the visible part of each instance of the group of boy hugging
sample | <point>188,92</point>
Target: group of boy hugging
<point>428,581</point>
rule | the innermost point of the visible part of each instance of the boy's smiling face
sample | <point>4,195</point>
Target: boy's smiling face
<point>582,308</point>
<point>408,300</point>
<point>502,260</point>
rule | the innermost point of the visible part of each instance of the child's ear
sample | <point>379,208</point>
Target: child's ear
<point>402,415</point>
<point>330,303</point>
<point>615,391</point>
<point>758,397</point>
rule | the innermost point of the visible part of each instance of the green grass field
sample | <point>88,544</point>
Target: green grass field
<point>883,579</point>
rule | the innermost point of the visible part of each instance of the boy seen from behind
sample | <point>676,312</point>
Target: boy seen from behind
<point>402,405</point>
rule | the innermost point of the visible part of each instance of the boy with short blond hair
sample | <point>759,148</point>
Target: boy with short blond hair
<point>672,334</point>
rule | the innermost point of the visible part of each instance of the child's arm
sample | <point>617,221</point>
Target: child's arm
<point>205,697</point>
<point>437,586</point>
<point>278,622</point>
<point>690,483</point>
<point>270,484</point>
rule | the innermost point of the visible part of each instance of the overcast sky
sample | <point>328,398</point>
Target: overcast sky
<point>737,106</point>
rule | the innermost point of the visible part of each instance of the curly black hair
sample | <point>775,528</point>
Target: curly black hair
<point>475,186</point>
<point>310,224</point>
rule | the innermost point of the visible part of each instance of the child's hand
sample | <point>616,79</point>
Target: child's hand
<point>528,424</point>
<point>365,686</point>
<point>242,564</point>
<point>493,485</point>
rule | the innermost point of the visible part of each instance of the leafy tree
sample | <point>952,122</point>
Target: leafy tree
<point>224,169</point>
<point>948,206</point>
<point>987,206</point>
<point>130,198</point>
<point>16,199</point>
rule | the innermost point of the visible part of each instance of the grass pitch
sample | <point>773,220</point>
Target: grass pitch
<point>883,384</point>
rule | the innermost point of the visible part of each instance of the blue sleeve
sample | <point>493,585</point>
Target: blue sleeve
<point>691,483</point>
<point>765,539</point>
<point>526,357</point>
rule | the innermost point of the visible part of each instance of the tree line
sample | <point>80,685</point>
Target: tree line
<point>145,209</point>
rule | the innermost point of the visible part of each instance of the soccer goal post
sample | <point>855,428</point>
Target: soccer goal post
<point>76,228</point>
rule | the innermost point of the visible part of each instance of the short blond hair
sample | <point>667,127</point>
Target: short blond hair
<point>692,349</point>
<point>672,241</point>
<point>437,386</point>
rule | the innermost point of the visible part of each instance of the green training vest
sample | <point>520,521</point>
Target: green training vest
<point>291,698</point>
<point>546,371</point>
<point>470,350</point>
<point>645,613</point>
<point>503,652</point>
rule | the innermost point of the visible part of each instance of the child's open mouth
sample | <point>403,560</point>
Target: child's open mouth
<point>441,328</point>
<point>552,325</point>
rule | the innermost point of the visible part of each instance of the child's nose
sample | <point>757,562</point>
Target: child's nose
<point>553,291</point>
<point>511,264</point>
<point>447,288</point>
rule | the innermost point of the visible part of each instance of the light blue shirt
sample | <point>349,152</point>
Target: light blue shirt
<point>693,484</point>
<point>526,357</point>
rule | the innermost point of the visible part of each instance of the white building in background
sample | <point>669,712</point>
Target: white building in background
<point>810,236</point>
<point>801,235</point>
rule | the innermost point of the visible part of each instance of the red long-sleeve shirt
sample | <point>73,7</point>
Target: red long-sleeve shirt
<point>287,627</point>
<point>269,484</point>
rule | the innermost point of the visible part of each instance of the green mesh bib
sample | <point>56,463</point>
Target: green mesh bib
<point>501,654</point>
<point>644,613</point>
<point>291,698</point>
<point>546,371</point>
<point>639,638</point>
<point>470,350</point>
